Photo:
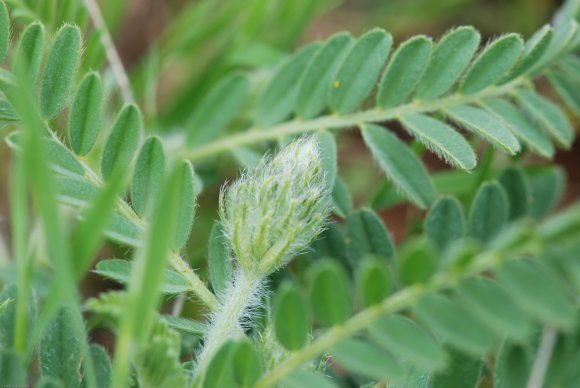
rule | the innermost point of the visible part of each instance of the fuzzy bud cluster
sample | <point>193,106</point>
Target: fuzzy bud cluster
<point>274,211</point>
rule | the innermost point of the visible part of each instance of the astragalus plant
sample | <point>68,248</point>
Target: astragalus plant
<point>279,280</point>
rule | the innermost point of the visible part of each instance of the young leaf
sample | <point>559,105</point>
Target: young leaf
<point>521,126</point>
<point>29,53</point>
<point>441,139</point>
<point>373,281</point>
<point>490,303</point>
<point>122,141</point>
<point>279,99</point>
<point>418,263</point>
<point>534,49</point>
<point>453,324</point>
<point>120,271</point>
<point>328,293</point>
<point>518,194</point>
<point>291,318</point>
<point>404,71</point>
<point>489,212</point>
<point>548,115</point>
<point>217,109</point>
<point>445,223</point>
<point>84,120</point>
<point>307,379</point>
<point>149,172</point>
<point>546,187</point>
<point>400,164</point>
<point>408,341</point>
<point>316,82</point>
<point>538,292</point>
<point>219,260</point>
<point>341,198</point>
<point>485,125</point>
<point>246,364</point>
<point>4,31</point>
<point>364,358</point>
<point>60,348</point>
<point>60,70</point>
<point>367,236</point>
<point>493,62</point>
<point>448,61</point>
<point>186,203</point>
<point>359,70</point>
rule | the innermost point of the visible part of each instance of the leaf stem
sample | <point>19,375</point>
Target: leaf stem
<point>374,115</point>
<point>542,361</point>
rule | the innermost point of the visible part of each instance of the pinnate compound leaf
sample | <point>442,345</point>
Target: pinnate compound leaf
<point>535,288</point>
<point>217,109</point>
<point>367,235</point>
<point>219,260</point>
<point>445,223</point>
<point>279,99</point>
<point>247,364</point>
<point>4,31</point>
<point>400,164</point>
<point>120,271</point>
<point>373,281</point>
<point>148,175</point>
<point>521,126</point>
<point>122,141</point>
<point>405,68</point>
<point>492,64</point>
<point>408,341</point>
<point>491,304</point>
<point>328,293</point>
<point>362,357</point>
<point>453,324</point>
<point>291,318</point>
<point>485,125</point>
<point>60,347</point>
<point>359,70</point>
<point>548,115</point>
<point>442,139</point>
<point>307,379</point>
<point>489,212</point>
<point>84,121</point>
<point>30,49</point>
<point>534,49</point>
<point>448,61</point>
<point>316,83</point>
<point>518,193</point>
<point>60,70</point>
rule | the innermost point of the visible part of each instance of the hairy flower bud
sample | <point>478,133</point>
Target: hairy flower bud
<point>274,211</point>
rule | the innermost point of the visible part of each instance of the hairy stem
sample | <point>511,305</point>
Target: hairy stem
<point>226,321</point>
<point>256,135</point>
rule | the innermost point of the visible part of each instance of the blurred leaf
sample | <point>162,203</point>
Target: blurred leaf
<point>327,147</point>
<point>417,264</point>
<point>101,365</point>
<point>448,61</point>
<point>409,342</point>
<point>404,70</point>
<point>279,99</point>
<point>534,49</point>
<point>291,318</point>
<point>567,88</point>
<point>316,83</point>
<point>149,171</point>
<point>546,186</point>
<point>329,294</point>
<point>84,120</point>
<point>186,203</point>
<point>220,372</point>
<point>12,372</point>
<point>359,70</point>
<point>400,164</point>
<point>440,138</point>
<point>444,223</point>
<point>373,281</point>
<point>219,260</point>
<point>341,198</point>
<point>30,49</point>
<point>489,212</point>
<point>367,235</point>
<point>453,324</point>
<point>185,325</point>
<point>463,371</point>
<point>60,70</point>
<point>520,125</point>
<point>362,357</point>
<point>307,379</point>
<point>517,191</point>
<point>485,125</point>
<point>246,363</point>
<point>4,31</point>
<point>512,367</point>
<point>493,62</point>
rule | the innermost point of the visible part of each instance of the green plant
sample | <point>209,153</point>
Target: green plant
<point>300,288</point>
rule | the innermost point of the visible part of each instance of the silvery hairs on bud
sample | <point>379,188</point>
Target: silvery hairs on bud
<point>275,210</point>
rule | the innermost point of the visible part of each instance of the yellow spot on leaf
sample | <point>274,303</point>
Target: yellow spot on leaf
<point>336,84</point>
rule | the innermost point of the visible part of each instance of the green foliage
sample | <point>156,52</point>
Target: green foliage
<point>84,121</point>
<point>291,317</point>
